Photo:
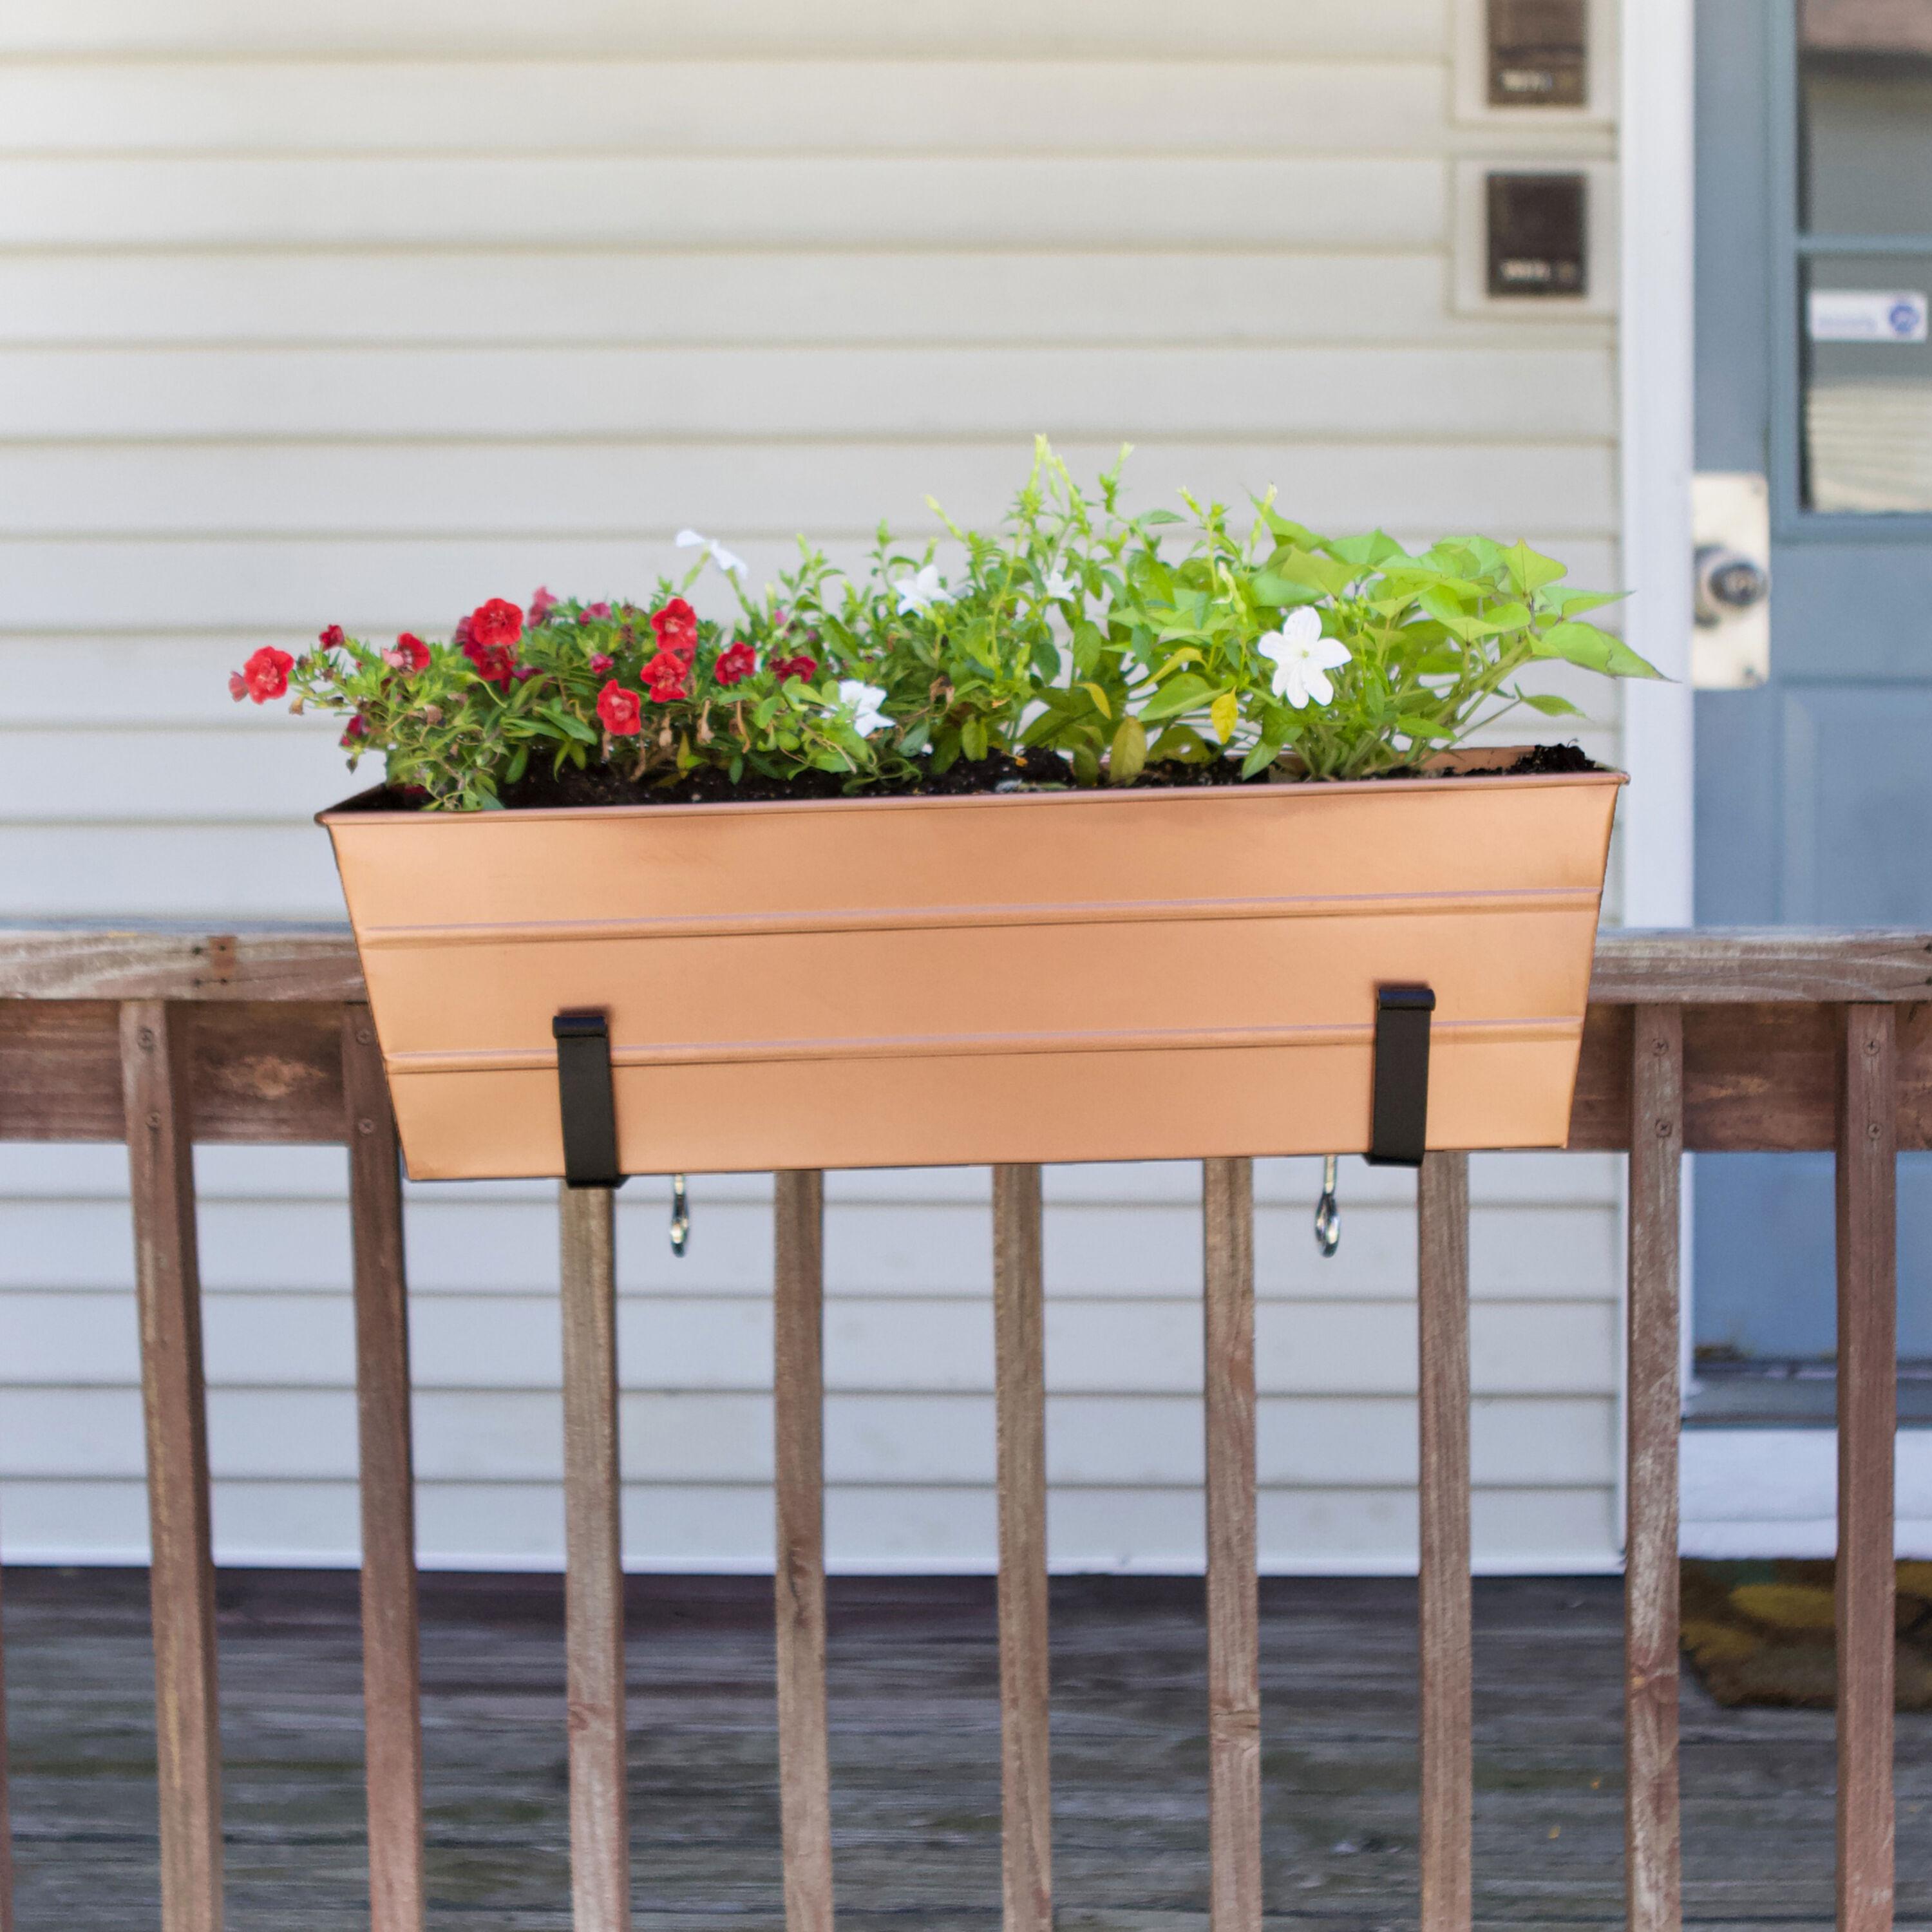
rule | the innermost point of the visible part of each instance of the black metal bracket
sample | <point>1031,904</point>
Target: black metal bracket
<point>1399,1133</point>
<point>583,1093</point>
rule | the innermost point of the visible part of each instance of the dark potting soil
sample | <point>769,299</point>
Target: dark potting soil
<point>1538,761</point>
<point>1032,771</point>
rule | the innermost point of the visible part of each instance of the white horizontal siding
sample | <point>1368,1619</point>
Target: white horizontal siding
<point>542,108</point>
<point>1122,294</point>
<point>361,314</point>
<point>912,201</point>
<point>900,1439</point>
<point>927,1344</point>
<point>909,1423</point>
<point>600,29</point>
<point>340,489</point>
<point>489,394</point>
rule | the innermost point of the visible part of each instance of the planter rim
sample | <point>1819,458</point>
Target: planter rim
<point>348,812</point>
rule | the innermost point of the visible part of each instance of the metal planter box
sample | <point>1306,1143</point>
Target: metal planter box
<point>1074,975</point>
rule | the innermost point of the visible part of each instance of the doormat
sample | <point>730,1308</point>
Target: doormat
<point>1764,1633</point>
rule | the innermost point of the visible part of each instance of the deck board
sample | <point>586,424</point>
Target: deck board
<point>915,1739</point>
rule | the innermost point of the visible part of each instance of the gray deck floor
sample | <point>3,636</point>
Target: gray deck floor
<point>915,1758</point>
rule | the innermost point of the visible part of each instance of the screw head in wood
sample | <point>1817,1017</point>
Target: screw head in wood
<point>146,1038</point>
<point>154,1118</point>
<point>1871,1131</point>
<point>1663,1130</point>
<point>363,1037</point>
<point>365,1126</point>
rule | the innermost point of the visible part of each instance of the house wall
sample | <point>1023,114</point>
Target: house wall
<point>360,313</point>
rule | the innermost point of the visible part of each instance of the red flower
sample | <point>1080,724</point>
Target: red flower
<point>332,639</point>
<point>740,661</point>
<point>622,711</point>
<point>541,605</point>
<point>358,727</point>
<point>460,635</point>
<point>497,624</point>
<point>669,677</point>
<point>489,636</point>
<point>677,627</point>
<point>596,611</point>
<point>411,653</point>
<point>495,664</point>
<point>600,662</point>
<point>265,676</point>
<point>800,666</point>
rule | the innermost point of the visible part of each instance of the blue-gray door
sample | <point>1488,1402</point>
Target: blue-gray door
<point>1814,791</point>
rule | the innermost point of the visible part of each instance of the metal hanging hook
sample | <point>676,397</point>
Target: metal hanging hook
<point>680,1217</point>
<point>1327,1214</point>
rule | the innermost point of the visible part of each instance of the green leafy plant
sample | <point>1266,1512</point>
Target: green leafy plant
<point>1076,646</point>
<point>1342,657</point>
<point>1016,651</point>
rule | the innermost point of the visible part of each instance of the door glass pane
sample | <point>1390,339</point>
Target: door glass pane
<point>1867,382</point>
<point>1865,91</point>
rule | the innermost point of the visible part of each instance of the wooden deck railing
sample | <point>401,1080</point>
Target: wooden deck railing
<point>1777,1040</point>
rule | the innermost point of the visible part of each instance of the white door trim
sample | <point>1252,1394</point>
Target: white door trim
<point>1657,342</point>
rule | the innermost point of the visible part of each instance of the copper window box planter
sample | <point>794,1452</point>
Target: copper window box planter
<point>1080,976</point>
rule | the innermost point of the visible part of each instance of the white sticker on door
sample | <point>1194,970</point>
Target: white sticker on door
<point>1867,315</point>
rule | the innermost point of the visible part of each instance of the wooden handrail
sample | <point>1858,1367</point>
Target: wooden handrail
<point>1735,1040</point>
<point>1704,966</point>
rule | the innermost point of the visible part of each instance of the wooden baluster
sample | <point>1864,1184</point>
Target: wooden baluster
<point>1867,1420</point>
<point>156,1092</point>
<point>600,1851</point>
<point>1019,1379</point>
<point>1442,1203</point>
<point>6,1812</point>
<point>1652,1827</point>
<point>392,1676</point>
<point>1234,1606</point>
<point>798,1416</point>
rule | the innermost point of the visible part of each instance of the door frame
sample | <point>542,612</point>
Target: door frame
<point>1657,338</point>
<point>1757,1492</point>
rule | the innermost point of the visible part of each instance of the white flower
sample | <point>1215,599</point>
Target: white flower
<point>920,593</point>
<point>724,559</point>
<point>863,701</point>
<point>1303,658</point>
<point>1061,589</point>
